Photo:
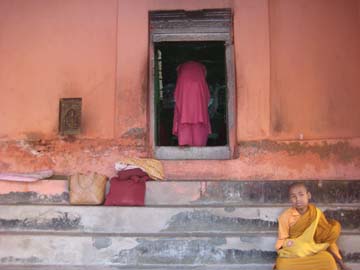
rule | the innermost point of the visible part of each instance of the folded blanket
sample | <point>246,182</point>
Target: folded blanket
<point>26,177</point>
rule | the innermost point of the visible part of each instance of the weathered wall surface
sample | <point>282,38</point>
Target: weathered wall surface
<point>51,50</point>
<point>315,69</point>
<point>297,72</point>
<point>252,45</point>
<point>258,160</point>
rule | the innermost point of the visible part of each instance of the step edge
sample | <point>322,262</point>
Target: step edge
<point>156,235</point>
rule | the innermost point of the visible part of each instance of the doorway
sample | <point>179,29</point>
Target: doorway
<point>168,56</point>
<point>204,36</point>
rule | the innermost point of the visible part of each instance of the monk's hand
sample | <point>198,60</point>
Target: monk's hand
<point>289,243</point>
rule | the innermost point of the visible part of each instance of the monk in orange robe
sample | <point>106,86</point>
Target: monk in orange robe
<point>191,118</point>
<point>307,240</point>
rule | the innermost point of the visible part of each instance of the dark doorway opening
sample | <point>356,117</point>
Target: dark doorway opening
<point>168,55</point>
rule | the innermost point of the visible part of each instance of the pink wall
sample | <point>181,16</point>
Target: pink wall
<point>297,72</point>
<point>56,49</point>
<point>133,65</point>
<point>51,50</point>
<point>251,37</point>
<point>315,69</point>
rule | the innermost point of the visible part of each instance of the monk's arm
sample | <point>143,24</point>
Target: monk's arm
<point>283,231</point>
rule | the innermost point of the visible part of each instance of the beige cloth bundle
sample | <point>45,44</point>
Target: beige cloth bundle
<point>152,167</point>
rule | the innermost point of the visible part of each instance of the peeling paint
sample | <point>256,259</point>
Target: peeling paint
<point>27,147</point>
<point>67,157</point>
<point>259,160</point>
<point>341,150</point>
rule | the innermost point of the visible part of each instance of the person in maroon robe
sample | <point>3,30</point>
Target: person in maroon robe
<point>191,118</point>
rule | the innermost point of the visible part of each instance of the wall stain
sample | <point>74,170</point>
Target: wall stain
<point>259,192</point>
<point>11,259</point>
<point>41,146</point>
<point>102,242</point>
<point>352,257</point>
<point>277,122</point>
<point>144,87</point>
<point>135,133</point>
<point>194,251</point>
<point>62,221</point>
<point>341,150</point>
<point>34,136</point>
<point>198,220</point>
<point>4,166</point>
<point>348,218</point>
<point>33,197</point>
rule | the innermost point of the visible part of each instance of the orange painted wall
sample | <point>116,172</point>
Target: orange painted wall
<point>252,45</point>
<point>297,72</point>
<point>78,48</point>
<point>56,49</point>
<point>251,40</point>
<point>133,65</point>
<point>315,69</point>
<point>51,50</point>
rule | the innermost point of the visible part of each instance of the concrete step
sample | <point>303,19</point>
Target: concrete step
<point>185,225</point>
<point>183,193</point>
<point>124,251</point>
<point>168,267</point>
<point>159,220</point>
<point>138,267</point>
<point>123,236</point>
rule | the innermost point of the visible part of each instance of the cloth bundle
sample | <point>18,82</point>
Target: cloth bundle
<point>26,177</point>
<point>127,188</point>
<point>152,167</point>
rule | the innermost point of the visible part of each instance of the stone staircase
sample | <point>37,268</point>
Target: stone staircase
<point>184,225</point>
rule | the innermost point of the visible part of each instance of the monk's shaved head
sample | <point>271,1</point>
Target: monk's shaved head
<point>299,197</point>
<point>297,184</point>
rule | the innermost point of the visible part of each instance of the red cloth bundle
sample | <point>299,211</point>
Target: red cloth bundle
<point>127,188</point>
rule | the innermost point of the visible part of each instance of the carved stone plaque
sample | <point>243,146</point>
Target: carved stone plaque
<point>69,116</point>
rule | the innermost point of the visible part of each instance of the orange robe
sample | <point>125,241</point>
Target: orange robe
<point>292,225</point>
